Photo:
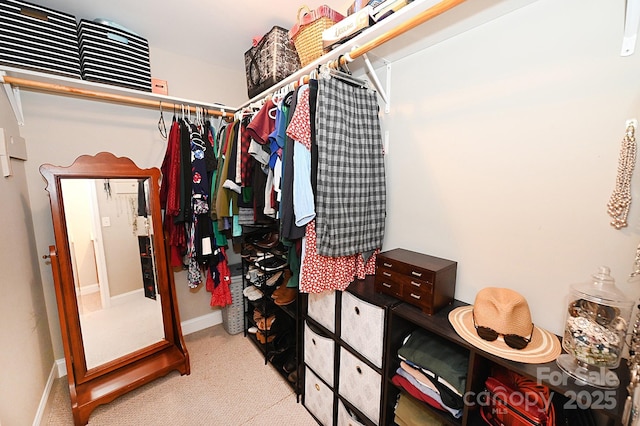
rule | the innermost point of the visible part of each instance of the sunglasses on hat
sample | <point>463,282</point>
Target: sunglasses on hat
<point>512,340</point>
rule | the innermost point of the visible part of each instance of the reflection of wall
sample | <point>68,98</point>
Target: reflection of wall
<point>120,241</point>
<point>78,212</point>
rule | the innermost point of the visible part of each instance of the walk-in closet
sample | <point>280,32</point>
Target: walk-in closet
<point>337,213</point>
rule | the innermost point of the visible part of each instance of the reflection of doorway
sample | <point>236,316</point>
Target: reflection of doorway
<point>85,244</point>
<point>101,261</point>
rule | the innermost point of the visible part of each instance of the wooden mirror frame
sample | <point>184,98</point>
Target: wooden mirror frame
<point>104,383</point>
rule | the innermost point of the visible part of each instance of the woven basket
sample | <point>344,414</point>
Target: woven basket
<point>307,33</point>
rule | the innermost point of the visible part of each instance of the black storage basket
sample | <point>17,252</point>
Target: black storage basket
<point>38,38</point>
<point>273,59</point>
<point>113,56</point>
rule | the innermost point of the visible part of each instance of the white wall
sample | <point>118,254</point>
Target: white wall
<point>26,354</point>
<point>504,145</point>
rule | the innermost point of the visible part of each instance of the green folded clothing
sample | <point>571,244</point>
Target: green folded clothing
<point>440,356</point>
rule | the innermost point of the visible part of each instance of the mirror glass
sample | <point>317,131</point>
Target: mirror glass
<point>110,238</point>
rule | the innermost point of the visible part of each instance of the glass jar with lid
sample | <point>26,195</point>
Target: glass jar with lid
<point>596,323</point>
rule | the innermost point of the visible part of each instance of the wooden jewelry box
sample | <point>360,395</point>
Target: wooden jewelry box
<point>425,281</point>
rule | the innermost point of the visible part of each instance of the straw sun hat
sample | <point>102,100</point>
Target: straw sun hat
<point>506,312</point>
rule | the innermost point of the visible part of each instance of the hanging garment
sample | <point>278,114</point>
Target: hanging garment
<point>170,197</point>
<point>300,131</point>
<point>184,214</point>
<point>319,273</point>
<point>288,228</point>
<point>351,192</point>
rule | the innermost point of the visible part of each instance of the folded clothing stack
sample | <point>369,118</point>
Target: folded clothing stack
<point>433,370</point>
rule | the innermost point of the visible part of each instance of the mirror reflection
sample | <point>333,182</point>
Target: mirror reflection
<point>111,246</point>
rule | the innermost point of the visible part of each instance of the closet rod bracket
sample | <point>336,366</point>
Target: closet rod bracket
<point>13,94</point>
<point>384,92</point>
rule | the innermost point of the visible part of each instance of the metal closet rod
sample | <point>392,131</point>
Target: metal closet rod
<point>129,100</point>
<point>400,29</point>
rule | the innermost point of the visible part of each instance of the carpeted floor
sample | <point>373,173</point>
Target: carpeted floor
<point>229,385</point>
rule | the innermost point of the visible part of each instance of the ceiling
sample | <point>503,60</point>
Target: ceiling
<point>216,31</point>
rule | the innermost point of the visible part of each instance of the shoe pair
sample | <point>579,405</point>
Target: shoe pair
<point>263,338</point>
<point>269,241</point>
<point>265,323</point>
<point>284,295</point>
<point>271,264</point>
<point>252,293</point>
<point>273,279</point>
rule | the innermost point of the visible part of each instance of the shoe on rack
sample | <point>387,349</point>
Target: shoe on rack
<point>252,330</point>
<point>252,293</point>
<point>286,296</point>
<point>281,288</point>
<point>265,323</point>
<point>280,249</point>
<point>257,236</point>
<point>263,338</point>
<point>290,366</point>
<point>270,241</point>
<point>271,264</point>
<point>273,279</point>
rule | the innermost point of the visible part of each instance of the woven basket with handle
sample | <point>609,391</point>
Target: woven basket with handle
<point>307,33</point>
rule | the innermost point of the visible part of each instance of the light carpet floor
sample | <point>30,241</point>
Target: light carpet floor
<point>229,385</point>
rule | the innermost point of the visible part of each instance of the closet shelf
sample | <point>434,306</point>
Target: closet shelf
<point>13,79</point>
<point>403,34</point>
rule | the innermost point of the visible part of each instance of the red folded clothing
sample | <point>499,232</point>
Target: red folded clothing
<point>405,384</point>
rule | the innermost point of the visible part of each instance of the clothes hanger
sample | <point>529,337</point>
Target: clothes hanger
<point>161,125</point>
<point>327,72</point>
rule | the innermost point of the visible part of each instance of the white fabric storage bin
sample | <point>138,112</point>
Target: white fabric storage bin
<point>318,398</point>
<point>39,38</point>
<point>322,308</point>
<point>362,327</point>
<point>319,354</point>
<point>360,385</point>
<point>345,418</point>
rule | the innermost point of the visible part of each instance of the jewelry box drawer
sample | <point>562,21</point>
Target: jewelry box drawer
<point>322,308</point>
<point>318,398</point>
<point>319,353</point>
<point>362,327</point>
<point>406,269</point>
<point>387,281</point>
<point>360,385</point>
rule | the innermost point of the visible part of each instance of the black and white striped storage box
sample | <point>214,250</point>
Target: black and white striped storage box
<point>113,56</point>
<point>38,38</point>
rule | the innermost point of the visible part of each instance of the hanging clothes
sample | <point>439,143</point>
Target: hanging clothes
<point>170,196</point>
<point>351,191</point>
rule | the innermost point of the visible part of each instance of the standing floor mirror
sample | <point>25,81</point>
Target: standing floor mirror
<point>115,293</point>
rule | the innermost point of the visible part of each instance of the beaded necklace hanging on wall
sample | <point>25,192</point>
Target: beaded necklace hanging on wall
<point>618,206</point>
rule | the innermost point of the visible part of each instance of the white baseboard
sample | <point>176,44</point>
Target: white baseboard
<point>53,375</point>
<point>201,322</point>
<point>89,289</point>
<point>188,327</point>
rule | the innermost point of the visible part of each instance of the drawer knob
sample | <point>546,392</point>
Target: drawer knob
<point>387,285</point>
<point>359,370</point>
<point>386,274</point>
<point>417,274</point>
<point>416,284</point>
<point>318,387</point>
<point>388,265</point>
<point>415,296</point>
<point>357,310</point>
